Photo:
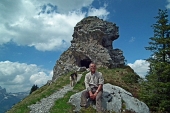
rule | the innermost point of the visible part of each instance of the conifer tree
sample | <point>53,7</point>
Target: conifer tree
<point>156,88</point>
<point>34,88</point>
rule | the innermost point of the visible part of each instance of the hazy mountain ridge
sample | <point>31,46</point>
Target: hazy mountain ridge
<point>7,100</point>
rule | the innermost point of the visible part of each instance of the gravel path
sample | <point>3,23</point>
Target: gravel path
<point>46,103</point>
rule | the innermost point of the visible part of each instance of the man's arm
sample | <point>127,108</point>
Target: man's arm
<point>100,87</point>
<point>88,87</point>
<point>101,82</point>
<point>86,81</point>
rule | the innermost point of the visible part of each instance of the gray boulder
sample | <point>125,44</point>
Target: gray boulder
<point>115,99</point>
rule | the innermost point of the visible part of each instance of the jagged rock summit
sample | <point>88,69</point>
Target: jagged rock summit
<point>92,41</point>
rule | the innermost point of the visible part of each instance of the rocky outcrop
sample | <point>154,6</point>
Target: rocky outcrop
<point>115,99</point>
<point>92,41</point>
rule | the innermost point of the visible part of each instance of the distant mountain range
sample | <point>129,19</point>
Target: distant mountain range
<point>7,100</point>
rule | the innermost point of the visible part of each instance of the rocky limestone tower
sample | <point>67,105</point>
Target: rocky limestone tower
<point>92,41</point>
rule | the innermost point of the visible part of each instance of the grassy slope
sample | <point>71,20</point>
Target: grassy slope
<point>123,77</point>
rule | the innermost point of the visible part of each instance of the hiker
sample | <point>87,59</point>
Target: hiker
<point>94,88</point>
<point>73,79</point>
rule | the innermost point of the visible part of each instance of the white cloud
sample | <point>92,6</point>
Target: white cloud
<point>64,6</point>
<point>56,31</point>
<point>140,67</point>
<point>16,77</point>
<point>168,5</point>
<point>39,78</point>
<point>27,22</point>
<point>101,12</point>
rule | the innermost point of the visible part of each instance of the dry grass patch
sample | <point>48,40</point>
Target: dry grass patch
<point>122,77</point>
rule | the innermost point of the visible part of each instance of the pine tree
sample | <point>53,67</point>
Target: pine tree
<point>156,89</point>
<point>34,88</point>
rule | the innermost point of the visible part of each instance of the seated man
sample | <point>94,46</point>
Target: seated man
<point>94,84</point>
<point>73,79</point>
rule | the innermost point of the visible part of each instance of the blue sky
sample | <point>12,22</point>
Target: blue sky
<point>34,33</point>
